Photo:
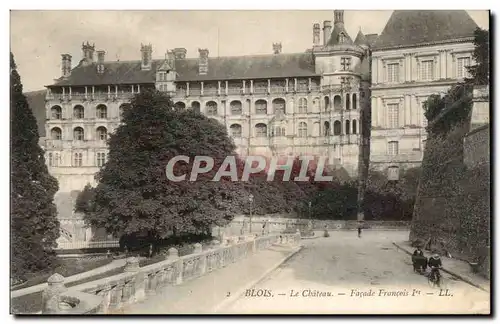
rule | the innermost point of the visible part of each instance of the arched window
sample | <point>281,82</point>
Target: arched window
<point>56,112</point>
<point>78,134</point>
<point>316,104</point>
<point>354,126</point>
<point>261,107</point>
<point>235,130</point>
<point>302,129</point>
<point>261,130</point>
<point>347,127</point>
<point>77,159</point>
<point>337,102</point>
<point>179,105</point>
<point>102,133</point>
<point>101,111</point>
<point>78,112</point>
<point>279,105</point>
<point>211,108</point>
<point>56,133</point>
<point>236,107</point>
<point>337,128</point>
<point>302,105</point>
<point>354,101</point>
<point>195,105</point>
<point>327,103</point>
<point>347,101</point>
<point>326,131</point>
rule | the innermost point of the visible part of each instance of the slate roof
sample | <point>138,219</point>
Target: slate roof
<point>371,38</point>
<point>221,68</point>
<point>334,36</point>
<point>413,27</point>
<point>361,39</point>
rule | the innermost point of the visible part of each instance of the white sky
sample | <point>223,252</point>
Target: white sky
<point>39,37</point>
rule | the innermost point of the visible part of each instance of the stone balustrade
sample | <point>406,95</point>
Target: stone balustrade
<point>137,283</point>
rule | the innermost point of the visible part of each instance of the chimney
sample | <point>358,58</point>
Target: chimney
<point>338,17</point>
<point>277,48</point>
<point>147,53</point>
<point>100,61</point>
<point>316,32</point>
<point>88,53</point>
<point>327,30</point>
<point>203,61</point>
<point>65,65</point>
<point>179,53</point>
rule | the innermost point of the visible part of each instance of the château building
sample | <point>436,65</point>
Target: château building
<point>418,53</point>
<point>278,104</point>
<point>317,102</point>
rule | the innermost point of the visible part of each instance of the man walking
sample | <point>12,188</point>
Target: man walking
<point>359,231</point>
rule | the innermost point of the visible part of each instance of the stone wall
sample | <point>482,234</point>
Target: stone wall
<point>452,208</point>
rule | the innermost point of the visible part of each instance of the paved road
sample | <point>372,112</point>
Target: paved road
<point>361,274</point>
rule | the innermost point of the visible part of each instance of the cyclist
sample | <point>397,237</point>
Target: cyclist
<point>419,260</point>
<point>435,264</point>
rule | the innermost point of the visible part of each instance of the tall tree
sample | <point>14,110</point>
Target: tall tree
<point>134,194</point>
<point>34,224</point>
<point>480,71</point>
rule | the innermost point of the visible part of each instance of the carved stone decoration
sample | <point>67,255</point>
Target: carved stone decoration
<point>51,296</point>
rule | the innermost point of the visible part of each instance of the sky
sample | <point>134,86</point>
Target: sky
<point>38,38</point>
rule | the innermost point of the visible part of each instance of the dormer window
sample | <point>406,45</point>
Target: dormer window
<point>162,76</point>
<point>341,37</point>
<point>345,63</point>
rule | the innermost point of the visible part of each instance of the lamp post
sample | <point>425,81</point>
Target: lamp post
<point>310,210</point>
<point>250,198</point>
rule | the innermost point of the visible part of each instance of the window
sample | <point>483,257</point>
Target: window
<point>427,70</point>
<point>326,129</point>
<point>57,159</point>
<point>337,103</point>
<point>211,108</point>
<point>279,106</point>
<point>392,148</point>
<point>354,126</point>
<point>77,159</point>
<point>78,134</point>
<point>179,106</point>
<point>101,159</point>
<point>302,105</point>
<point>347,127</point>
<point>302,129</point>
<point>261,130</point>
<point>347,101</point>
<point>345,63</point>
<point>393,72</point>
<point>195,105</point>
<point>78,112</point>
<point>56,133</point>
<point>56,112</point>
<point>337,128</point>
<point>101,112</point>
<point>327,103</point>
<point>342,38</point>
<point>102,133</point>
<point>235,130</point>
<point>354,101</point>
<point>235,107</point>
<point>261,107</point>
<point>462,64</point>
<point>393,114</point>
<point>162,76</point>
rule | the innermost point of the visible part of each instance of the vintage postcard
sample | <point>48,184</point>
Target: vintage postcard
<point>250,162</point>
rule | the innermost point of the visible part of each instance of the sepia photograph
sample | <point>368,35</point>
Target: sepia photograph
<point>250,162</point>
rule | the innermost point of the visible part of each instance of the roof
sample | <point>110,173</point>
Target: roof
<point>220,68</point>
<point>361,39</point>
<point>334,36</point>
<point>371,38</point>
<point>414,27</point>
<point>36,101</point>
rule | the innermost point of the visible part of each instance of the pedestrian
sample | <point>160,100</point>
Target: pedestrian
<point>359,231</point>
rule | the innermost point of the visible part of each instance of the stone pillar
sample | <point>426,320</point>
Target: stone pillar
<point>173,255</point>
<point>116,296</point>
<point>105,294</point>
<point>407,110</point>
<point>375,69</point>
<point>198,248</point>
<point>375,108</point>
<point>381,113</point>
<point>51,296</point>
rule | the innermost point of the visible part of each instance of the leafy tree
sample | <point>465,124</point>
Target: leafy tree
<point>481,70</point>
<point>34,224</point>
<point>85,199</point>
<point>134,195</point>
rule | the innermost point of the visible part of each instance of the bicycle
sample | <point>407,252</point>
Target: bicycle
<point>434,278</point>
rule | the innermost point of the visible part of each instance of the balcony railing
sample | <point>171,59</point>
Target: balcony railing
<point>260,90</point>
<point>90,96</point>
<point>236,91</point>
